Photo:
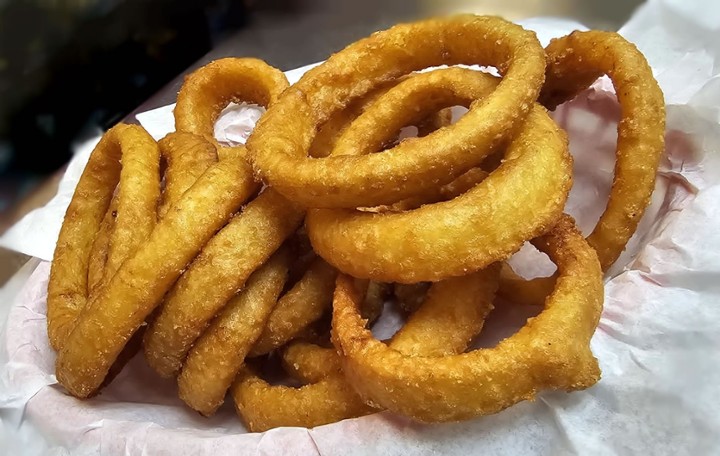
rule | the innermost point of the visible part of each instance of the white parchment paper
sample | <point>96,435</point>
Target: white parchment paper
<point>658,341</point>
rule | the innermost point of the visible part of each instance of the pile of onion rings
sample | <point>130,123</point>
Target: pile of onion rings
<point>257,271</point>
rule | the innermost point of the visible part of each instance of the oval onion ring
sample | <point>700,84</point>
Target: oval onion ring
<point>574,62</point>
<point>519,200</point>
<point>208,90</point>
<point>584,56</point>
<point>551,352</point>
<point>215,276</point>
<point>135,207</point>
<point>218,354</point>
<point>280,143</point>
<point>115,313</point>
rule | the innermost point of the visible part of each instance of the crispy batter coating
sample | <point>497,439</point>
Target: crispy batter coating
<point>308,362</point>
<point>187,157</point>
<point>99,249</point>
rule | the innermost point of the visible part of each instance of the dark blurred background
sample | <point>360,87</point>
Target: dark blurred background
<point>72,68</point>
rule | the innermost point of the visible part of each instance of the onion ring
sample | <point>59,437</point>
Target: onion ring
<point>187,156</point>
<point>551,352</point>
<point>114,314</point>
<point>176,149</point>
<point>208,90</point>
<point>453,313</point>
<point>262,406</point>
<point>218,354</point>
<point>280,143</point>
<point>574,62</point>
<point>212,279</point>
<point>138,193</point>
<point>519,200</point>
<point>304,304</point>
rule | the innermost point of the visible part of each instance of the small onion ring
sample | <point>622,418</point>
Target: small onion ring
<point>453,313</point>
<point>302,305</point>
<point>262,406</point>
<point>208,90</point>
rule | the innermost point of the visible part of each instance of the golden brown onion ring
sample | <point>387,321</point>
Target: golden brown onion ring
<point>219,271</point>
<point>551,352</point>
<point>218,354</point>
<point>138,194</point>
<point>519,200</point>
<point>208,90</point>
<point>115,313</point>
<point>186,157</point>
<point>304,304</point>
<point>279,146</point>
<point>262,406</point>
<point>453,313</point>
<point>574,62</point>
